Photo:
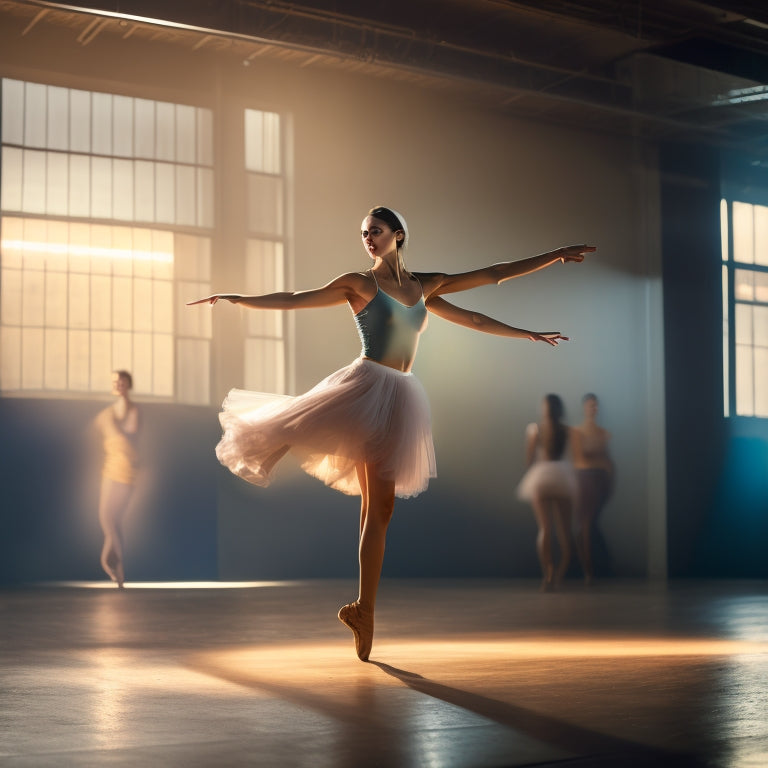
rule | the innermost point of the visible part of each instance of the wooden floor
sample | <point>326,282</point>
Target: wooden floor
<point>465,674</point>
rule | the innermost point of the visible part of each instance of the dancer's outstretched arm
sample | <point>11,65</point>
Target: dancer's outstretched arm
<point>479,322</point>
<point>341,289</point>
<point>438,283</point>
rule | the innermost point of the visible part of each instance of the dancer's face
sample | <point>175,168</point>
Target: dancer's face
<point>378,238</point>
<point>119,385</point>
<point>590,408</point>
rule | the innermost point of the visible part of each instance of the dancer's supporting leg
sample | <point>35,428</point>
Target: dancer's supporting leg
<point>377,504</point>
<point>113,500</point>
<point>544,539</point>
<point>563,531</point>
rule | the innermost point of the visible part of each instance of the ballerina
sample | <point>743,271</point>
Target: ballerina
<point>118,425</point>
<point>365,429</point>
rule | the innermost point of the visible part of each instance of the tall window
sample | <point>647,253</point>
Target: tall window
<point>106,216</point>
<point>265,361</point>
<point>744,228</point>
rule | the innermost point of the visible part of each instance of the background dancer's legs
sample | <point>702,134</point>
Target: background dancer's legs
<point>113,500</point>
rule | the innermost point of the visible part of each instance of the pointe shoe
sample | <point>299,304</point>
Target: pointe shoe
<point>360,621</point>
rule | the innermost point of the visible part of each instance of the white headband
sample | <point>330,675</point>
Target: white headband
<point>403,224</point>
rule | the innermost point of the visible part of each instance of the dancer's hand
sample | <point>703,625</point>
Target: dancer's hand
<point>233,297</point>
<point>549,337</point>
<point>575,252</point>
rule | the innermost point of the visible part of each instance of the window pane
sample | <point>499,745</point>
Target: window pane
<point>32,345</point>
<point>142,304</point>
<point>123,195</point>
<point>80,121</point>
<point>12,241</point>
<point>185,134</point>
<point>204,197</point>
<point>122,245</point>
<point>78,356</point>
<point>55,371</point>
<point>35,107</point>
<point>143,248</point>
<point>142,362</point>
<point>192,256</point>
<point>761,235</point>
<point>79,248</point>
<point>761,382</point>
<point>122,304</point>
<point>101,302</point>
<point>101,361</point>
<point>205,136</point>
<point>743,285</point>
<point>144,127</point>
<point>33,184</point>
<point>57,239</point>
<point>33,298</point>
<point>162,255</point>
<point>56,300</point>
<point>57,193</point>
<point>761,287</point>
<point>101,187</point>
<point>122,126</point>
<point>10,297</point>
<point>12,175</point>
<point>743,233</point>
<point>13,111</point>
<point>760,321</point>
<point>58,118</point>
<point>145,191</point>
<point>79,301</point>
<point>165,203</point>
<point>745,404</point>
<point>744,324</point>
<point>123,353</point>
<point>10,358</point>
<point>101,123</point>
<point>79,185</point>
<point>165,131</point>
<point>265,204</point>
<point>100,248</point>
<point>162,301</point>
<point>163,360</point>
<point>185,195</point>
<point>262,141</point>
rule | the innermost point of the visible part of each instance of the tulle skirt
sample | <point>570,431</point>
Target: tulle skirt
<point>364,412</point>
<point>550,478</point>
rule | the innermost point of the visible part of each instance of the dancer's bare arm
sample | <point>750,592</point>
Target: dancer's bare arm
<point>438,283</point>
<point>344,288</point>
<point>479,322</point>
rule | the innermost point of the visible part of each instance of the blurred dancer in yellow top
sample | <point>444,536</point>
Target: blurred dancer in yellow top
<point>118,425</point>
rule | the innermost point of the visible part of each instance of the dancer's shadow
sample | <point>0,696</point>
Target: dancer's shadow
<point>592,748</point>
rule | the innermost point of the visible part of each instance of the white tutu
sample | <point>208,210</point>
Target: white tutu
<point>364,412</point>
<point>551,478</point>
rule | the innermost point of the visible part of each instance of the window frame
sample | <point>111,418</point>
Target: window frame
<point>729,267</point>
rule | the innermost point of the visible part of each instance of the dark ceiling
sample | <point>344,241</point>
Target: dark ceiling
<point>650,69</point>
